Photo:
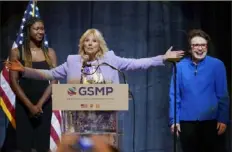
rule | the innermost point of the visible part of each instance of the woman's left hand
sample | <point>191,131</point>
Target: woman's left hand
<point>173,56</point>
<point>40,106</point>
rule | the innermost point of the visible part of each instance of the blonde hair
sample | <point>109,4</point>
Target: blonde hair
<point>102,43</point>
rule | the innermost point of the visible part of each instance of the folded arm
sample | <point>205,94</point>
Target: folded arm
<point>222,94</point>
<point>134,64</point>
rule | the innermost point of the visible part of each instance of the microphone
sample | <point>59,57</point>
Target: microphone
<point>85,59</point>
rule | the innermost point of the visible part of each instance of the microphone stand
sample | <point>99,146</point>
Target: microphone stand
<point>131,97</point>
<point>175,96</point>
<point>124,77</point>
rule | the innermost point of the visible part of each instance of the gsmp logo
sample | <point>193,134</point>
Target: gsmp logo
<point>72,91</point>
<point>95,91</point>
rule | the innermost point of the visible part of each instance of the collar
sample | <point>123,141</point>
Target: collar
<point>202,62</point>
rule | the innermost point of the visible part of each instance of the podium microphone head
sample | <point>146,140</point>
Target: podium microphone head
<point>85,60</point>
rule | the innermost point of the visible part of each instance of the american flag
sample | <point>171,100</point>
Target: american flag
<point>7,98</point>
<point>30,11</point>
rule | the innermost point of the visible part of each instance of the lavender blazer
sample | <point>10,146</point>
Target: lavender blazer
<point>71,69</point>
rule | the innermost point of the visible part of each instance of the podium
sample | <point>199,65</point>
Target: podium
<point>92,108</point>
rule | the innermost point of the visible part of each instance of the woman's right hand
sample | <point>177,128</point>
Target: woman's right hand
<point>14,66</point>
<point>34,110</point>
<point>177,129</point>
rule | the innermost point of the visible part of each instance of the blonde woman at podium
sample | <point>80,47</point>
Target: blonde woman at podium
<point>82,69</point>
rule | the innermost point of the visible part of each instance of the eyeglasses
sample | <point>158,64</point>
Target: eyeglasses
<point>199,45</point>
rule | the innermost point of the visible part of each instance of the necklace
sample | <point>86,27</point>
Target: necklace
<point>34,50</point>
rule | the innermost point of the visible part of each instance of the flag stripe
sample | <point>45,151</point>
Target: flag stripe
<point>4,77</point>
<point>58,115</point>
<point>53,145</point>
<point>8,96</point>
<point>5,73</point>
<point>55,136</point>
<point>8,113</point>
<point>56,124</point>
<point>7,103</point>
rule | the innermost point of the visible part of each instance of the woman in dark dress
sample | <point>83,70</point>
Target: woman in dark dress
<point>33,97</point>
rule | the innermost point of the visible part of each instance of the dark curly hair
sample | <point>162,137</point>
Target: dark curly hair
<point>198,32</point>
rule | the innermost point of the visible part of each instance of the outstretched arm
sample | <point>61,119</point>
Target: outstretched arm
<point>53,74</point>
<point>145,63</point>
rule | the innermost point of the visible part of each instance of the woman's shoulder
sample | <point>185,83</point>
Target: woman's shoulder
<point>74,58</point>
<point>51,51</point>
<point>109,53</point>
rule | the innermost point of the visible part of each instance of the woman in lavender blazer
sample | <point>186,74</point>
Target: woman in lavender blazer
<point>93,51</point>
<point>93,45</point>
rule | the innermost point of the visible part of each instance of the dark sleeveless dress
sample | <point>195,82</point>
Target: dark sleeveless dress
<point>31,133</point>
